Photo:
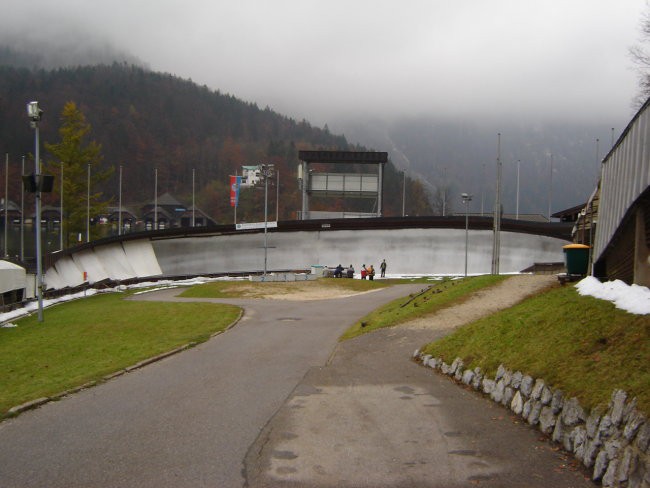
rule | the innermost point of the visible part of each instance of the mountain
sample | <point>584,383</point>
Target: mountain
<point>460,156</point>
<point>151,122</point>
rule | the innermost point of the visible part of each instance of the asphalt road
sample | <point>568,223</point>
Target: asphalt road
<point>372,418</point>
<point>188,420</point>
<point>274,402</point>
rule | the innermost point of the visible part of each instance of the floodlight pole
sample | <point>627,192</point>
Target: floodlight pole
<point>22,214</point>
<point>466,199</point>
<point>193,204</point>
<point>267,172</point>
<point>550,188</point>
<point>403,193</point>
<point>61,209</point>
<point>88,207</point>
<point>6,202</point>
<point>119,205</point>
<point>266,192</point>
<point>34,113</point>
<point>496,243</point>
<point>518,164</point>
<point>155,199</point>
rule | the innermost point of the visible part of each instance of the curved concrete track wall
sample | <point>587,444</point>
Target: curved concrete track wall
<point>406,250</point>
<point>412,251</point>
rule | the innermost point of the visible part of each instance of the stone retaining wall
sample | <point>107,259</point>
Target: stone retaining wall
<point>613,442</point>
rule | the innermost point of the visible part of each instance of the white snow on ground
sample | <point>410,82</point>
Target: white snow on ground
<point>631,298</point>
<point>634,299</point>
<point>32,307</point>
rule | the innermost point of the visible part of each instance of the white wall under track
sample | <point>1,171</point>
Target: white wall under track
<point>115,261</point>
<point>406,250</point>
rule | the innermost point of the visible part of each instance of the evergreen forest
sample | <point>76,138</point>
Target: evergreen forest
<point>148,122</point>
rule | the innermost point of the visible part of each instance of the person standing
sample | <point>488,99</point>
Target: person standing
<point>371,273</point>
<point>382,267</point>
<point>364,271</point>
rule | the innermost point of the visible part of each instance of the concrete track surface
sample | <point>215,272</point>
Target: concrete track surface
<point>261,405</point>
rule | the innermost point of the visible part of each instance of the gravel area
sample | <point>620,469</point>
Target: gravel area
<point>485,302</point>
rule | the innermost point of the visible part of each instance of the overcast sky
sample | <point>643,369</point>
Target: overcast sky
<point>320,60</point>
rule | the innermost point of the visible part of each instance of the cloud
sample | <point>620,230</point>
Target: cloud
<point>323,60</point>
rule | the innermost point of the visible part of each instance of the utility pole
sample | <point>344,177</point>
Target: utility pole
<point>496,244</point>
<point>518,164</point>
<point>35,113</point>
<point>404,193</point>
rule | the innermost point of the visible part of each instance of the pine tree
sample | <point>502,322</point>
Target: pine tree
<point>75,159</point>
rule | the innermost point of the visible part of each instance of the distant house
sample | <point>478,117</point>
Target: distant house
<point>128,217</point>
<point>251,175</point>
<point>165,219</point>
<point>50,216</point>
<point>13,212</point>
<point>201,219</point>
<point>570,214</point>
<point>172,213</point>
<point>584,218</point>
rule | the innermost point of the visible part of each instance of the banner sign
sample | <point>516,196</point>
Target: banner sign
<point>235,183</point>
<point>255,225</point>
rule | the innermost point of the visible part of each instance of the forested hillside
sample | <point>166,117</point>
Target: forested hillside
<point>147,121</point>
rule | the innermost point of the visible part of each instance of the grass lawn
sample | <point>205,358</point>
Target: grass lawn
<point>582,345</point>
<point>441,294</point>
<point>84,340</point>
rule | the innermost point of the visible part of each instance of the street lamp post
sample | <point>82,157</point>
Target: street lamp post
<point>61,209</point>
<point>22,214</point>
<point>88,206</point>
<point>267,171</point>
<point>35,113</point>
<point>496,243</point>
<point>466,199</point>
<point>403,193</point>
<point>6,202</point>
<point>518,164</point>
<point>119,204</point>
<point>155,199</point>
<point>193,202</point>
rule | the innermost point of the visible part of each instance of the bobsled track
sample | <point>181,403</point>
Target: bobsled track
<point>410,245</point>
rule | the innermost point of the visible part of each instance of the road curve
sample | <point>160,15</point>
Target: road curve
<point>188,420</point>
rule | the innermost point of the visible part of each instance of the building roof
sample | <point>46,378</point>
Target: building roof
<point>569,211</point>
<point>168,200</point>
<point>11,206</point>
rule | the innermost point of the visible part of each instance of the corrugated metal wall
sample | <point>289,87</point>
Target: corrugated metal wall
<point>625,176</point>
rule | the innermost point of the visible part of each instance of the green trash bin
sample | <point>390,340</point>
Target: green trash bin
<point>576,259</point>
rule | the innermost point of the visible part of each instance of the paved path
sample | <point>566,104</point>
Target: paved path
<point>186,421</point>
<point>372,418</point>
<point>261,406</point>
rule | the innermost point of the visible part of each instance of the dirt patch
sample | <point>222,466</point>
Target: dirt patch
<point>485,302</point>
<point>297,291</point>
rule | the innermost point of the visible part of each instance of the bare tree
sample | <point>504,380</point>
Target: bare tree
<point>441,201</point>
<point>641,60</point>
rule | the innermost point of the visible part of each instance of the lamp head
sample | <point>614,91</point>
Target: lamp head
<point>34,112</point>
